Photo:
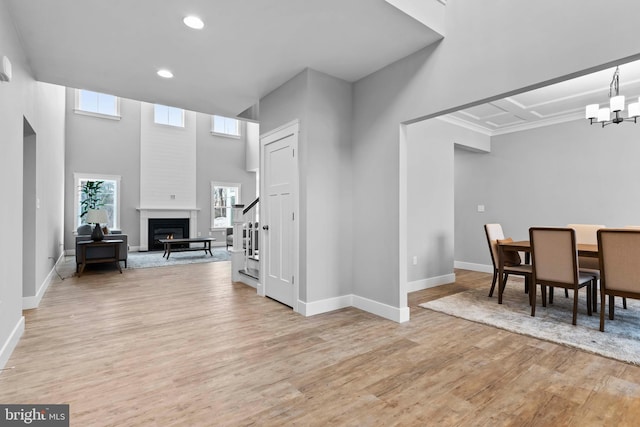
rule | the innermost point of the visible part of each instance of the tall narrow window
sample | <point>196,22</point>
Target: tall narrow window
<point>170,116</point>
<point>225,126</point>
<point>109,197</point>
<point>223,196</point>
<point>96,103</point>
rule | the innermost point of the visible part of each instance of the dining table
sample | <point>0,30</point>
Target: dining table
<point>586,250</point>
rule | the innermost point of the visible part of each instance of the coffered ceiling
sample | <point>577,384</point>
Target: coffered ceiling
<point>549,105</point>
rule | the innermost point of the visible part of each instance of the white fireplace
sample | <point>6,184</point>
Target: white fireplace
<point>147,213</point>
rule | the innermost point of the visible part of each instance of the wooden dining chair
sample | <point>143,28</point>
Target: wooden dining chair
<point>494,233</point>
<point>554,256</point>
<point>619,252</point>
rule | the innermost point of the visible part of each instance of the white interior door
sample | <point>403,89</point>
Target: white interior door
<point>280,205</point>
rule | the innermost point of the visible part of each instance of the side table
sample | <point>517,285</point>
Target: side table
<point>113,243</point>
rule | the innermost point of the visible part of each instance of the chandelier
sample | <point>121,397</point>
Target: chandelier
<point>595,114</point>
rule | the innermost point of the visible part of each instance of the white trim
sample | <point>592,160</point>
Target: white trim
<point>324,305</point>
<point>147,213</point>
<point>169,108</point>
<point>225,135</point>
<point>77,177</point>
<point>431,282</point>
<point>465,124</point>
<point>34,301</point>
<point>98,115</point>
<point>403,222</point>
<point>77,109</point>
<point>281,128</point>
<point>12,341</point>
<point>291,128</point>
<point>483,268</point>
<point>222,184</point>
<point>396,314</point>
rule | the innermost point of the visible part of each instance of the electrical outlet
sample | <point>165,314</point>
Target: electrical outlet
<point>480,208</point>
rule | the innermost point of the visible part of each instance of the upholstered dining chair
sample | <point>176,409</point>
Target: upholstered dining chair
<point>494,233</point>
<point>587,234</point>
<point>619,252</point>
<point>554,255</point>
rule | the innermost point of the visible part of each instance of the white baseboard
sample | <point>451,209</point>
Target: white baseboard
<point>431,282</point>
<point>34,301</point>
<point>12,341</point>
<point>313,308</point>
<point>483,268</point>
<point>396,314</point>
<point>325,305</point>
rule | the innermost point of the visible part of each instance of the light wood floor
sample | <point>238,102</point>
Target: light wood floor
<point>184,346</point>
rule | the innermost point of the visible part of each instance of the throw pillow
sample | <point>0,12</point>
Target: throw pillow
<point>511,258</point>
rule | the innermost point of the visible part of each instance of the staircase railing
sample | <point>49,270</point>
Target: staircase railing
<point>250,232</point>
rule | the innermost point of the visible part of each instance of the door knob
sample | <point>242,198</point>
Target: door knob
<point>265,227</point>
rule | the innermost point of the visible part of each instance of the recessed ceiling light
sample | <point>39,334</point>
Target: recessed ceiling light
<point>165,73</point>
<point>193,22</point>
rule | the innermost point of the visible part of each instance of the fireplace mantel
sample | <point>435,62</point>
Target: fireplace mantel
<point>146,213</point>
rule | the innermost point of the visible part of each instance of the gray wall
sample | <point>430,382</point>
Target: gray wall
<point>430,200</point>
<point>43,106</point>
<point>556,175</point>
<point>219,158</point>
<point>112,147</point>
<point>328,192</point>
<point>104,146</point>
<point>491,49</point>
<point>323,105</point>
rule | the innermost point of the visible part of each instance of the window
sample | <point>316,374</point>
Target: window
<point>97,104</point>
<point>170,116</point>
<point>109,196</point>
<point>223,196</point>
<point>225,126</point>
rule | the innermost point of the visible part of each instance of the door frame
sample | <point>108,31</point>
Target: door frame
<point>288,129</point>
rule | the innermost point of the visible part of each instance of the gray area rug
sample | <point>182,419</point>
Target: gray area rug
<point>155,259</point>
<point>150,259</point>
<point>620,341</point>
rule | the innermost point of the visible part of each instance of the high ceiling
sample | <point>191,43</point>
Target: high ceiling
<point>246,49</point>
<point>549,105</point>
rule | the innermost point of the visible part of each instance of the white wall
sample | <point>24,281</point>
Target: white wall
<point>20,98</point>
<point>491,49</point>
<point>167,162</point>
<point>556,175</point>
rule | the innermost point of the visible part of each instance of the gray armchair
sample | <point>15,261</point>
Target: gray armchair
<point>84,233</point>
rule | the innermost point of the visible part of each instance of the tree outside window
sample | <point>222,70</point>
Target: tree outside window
<point>108,196</point>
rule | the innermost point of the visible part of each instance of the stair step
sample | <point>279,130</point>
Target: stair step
<point>251,272</point>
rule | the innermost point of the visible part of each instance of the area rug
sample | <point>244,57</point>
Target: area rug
<point>155,259</point>
<point>149,259</point>
<point>620,341</point>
